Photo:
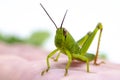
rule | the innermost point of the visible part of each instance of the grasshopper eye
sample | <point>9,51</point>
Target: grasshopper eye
<point>64,32</point>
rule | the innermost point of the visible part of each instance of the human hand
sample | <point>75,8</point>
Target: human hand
<point>24,62</point>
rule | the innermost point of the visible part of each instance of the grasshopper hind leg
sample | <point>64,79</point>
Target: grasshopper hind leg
<point>91,57</point>
<point>83,58</point>
<point>86,41</point>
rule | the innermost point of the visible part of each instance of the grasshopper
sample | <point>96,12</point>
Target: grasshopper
<point>66,44</point>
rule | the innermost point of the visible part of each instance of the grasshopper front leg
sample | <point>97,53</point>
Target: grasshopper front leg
<point>57,57</point>
<point>69,62</point>
<point>48,64</point>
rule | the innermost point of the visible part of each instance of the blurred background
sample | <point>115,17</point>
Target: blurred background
<point>25,20</point>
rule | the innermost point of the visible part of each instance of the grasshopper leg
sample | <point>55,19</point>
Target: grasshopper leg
<point>56,59</point>
<point>69,62</point>
<point>48,64</point>
<point>83,58</point>
<point>86,41</point>
<point>97,51</point>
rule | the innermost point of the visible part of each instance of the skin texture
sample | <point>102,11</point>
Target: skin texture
<point>25,62</point>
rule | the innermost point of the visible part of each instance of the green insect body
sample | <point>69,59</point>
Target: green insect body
<point>66,44</point>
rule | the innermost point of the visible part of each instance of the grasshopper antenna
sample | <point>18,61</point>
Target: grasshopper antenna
<point>48,15</point>
<point>63,19</point>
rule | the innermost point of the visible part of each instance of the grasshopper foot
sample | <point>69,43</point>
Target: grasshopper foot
<point>43,72</point>
<point>66,72</point>
<point>47,69</point>
<point>102,62</point>
<point>54,59</point>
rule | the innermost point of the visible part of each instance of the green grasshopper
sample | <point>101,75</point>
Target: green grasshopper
<point>73,50</point>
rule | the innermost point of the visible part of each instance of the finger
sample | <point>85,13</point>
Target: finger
<point>25,51</point>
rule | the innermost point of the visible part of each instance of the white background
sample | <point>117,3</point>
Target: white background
<point>21,17</point>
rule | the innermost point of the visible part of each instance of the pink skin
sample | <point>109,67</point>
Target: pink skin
<point>25,62</point>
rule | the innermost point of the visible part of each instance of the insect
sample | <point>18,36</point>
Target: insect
<point>66,44</point>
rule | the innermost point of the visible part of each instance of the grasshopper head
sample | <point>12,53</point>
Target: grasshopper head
<point>60,32</point>
<point>60,37</point>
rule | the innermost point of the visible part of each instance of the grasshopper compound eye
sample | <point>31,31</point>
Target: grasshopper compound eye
<point>64,32</point>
